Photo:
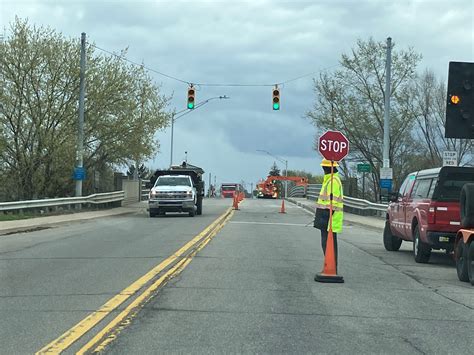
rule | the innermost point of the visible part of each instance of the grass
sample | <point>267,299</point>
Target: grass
<point>16,217</point>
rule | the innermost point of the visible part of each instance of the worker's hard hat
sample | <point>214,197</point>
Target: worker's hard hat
<point>327,163</point>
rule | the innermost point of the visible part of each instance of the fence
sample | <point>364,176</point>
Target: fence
<point>351,204</point>
<point>53,204</point>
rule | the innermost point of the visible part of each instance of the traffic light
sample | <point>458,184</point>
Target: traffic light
<point>460,101</point>
<point>276,98</point>
<point>191,97</point>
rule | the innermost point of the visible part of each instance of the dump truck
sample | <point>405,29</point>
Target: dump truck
<point>178,189</point>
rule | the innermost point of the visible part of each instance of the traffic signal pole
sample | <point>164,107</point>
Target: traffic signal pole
<point>80,133</point>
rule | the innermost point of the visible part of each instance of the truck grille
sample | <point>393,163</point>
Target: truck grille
<point>171,195</point>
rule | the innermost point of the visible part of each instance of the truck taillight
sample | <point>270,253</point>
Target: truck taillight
<point>432,215</point>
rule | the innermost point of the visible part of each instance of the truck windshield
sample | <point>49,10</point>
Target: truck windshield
<point>173,181</point>
<point>228,188</point>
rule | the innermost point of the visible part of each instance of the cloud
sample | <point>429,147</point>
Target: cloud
<point>252,42</point>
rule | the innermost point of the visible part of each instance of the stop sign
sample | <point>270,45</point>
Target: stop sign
<point>333,145</point>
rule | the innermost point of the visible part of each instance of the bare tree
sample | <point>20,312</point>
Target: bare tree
<point>352,100</point>
<point>428,106</point>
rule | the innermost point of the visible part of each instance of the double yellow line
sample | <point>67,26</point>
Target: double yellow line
<point>175,264</point>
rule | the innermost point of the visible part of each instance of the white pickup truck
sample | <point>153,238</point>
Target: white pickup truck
<point>179,189</point>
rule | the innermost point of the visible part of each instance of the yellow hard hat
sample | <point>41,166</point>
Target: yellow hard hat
<point>327,163</point>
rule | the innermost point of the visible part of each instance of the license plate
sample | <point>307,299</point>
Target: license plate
<point>444,239</point>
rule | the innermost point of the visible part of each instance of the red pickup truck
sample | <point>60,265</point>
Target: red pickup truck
<point>426,211</point>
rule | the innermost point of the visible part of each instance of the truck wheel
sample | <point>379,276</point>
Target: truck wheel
<point>390,242</point>
<point>470,262</point>
<point>192,213</point>
<point>199,205</point>
<point>461,261</point>
<point>421,250</point>
<point>467,206</point>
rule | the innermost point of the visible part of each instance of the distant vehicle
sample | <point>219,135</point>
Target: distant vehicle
<point>268,188</point>
<point>464,243</point>
<point>228,189</point>
<point>426,211</point>
<point>179,189</point>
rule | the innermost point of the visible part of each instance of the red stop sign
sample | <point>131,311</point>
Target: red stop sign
<point>333,145</point>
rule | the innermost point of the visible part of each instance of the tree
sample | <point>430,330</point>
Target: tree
<point>352,100</point>
<point>312,179</point>
<point>39,91</point>
<point>142,172</point>
<point>428,106</point>
<point>274,171</point>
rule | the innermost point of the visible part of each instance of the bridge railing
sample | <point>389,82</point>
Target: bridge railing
<point>115,197</point>
<point>351,204</point>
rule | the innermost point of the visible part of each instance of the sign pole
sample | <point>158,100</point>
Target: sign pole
<point>363,184</point>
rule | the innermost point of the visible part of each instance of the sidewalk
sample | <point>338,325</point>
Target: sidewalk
<point>23,225</point>
<point>370,222</point>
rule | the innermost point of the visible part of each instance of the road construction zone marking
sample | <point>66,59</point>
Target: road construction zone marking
<point>173,266</point>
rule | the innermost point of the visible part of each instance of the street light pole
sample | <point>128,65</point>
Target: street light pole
<point>185,112</point>
<point>286,167</point>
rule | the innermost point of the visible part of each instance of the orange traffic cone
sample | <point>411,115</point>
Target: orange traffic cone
<point>236,203</point>
<point>329,273</point>
<point>282,209</point>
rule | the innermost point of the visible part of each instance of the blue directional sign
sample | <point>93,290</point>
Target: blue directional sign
<point>79,173</point>
<point>386,184</point>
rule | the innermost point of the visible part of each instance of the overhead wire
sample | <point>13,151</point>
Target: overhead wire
<point>140,65</point>
<point>199,85</point>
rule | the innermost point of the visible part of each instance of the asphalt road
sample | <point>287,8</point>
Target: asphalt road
<point>250,290</point>
<point>51,279</point>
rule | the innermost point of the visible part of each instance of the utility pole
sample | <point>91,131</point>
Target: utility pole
<point>80,133</point>
<point>172,128</point>
<point>386,123</point>
<point>209,188</point>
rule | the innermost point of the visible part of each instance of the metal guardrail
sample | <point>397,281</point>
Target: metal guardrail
<point>95,199</point>
<point>351,204</point>
<point>312,191</point>
<point>297,191</point>
<point>364,204</point>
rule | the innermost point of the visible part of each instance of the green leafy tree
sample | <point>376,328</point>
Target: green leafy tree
<point>312,179</point>
<point>142,172</point>
<point>39,91</point>
<point>274,170</point>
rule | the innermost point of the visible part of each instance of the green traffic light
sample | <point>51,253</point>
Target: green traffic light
<point>190,105</point>
<point>276,106</point>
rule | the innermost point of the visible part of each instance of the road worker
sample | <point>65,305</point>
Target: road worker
<point>321,220</point>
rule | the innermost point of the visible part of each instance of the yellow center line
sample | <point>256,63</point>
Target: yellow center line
<point>107,334</point>
<point>73,334</point>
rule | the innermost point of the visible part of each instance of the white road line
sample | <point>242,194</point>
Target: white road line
<point>269,223</point>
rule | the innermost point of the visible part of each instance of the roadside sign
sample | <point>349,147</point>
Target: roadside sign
<point>364,168</point>
<point>386,184</point>
<point>333,145</point>
<point>386,173</point>
<point>79,173</point>
<point>450,158</point>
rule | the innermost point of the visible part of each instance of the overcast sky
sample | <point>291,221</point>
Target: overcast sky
<point>256,42</point>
